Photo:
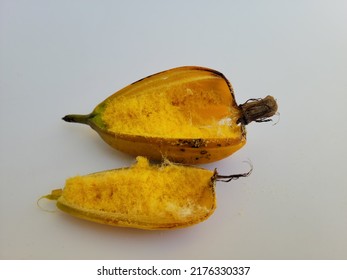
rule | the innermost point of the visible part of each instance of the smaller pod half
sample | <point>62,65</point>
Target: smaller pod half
<point>143,196</point>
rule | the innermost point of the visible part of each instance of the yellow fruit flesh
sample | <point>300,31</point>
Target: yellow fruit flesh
<point>143,196</point>
<point>186,114</point>
<point>199,106</point>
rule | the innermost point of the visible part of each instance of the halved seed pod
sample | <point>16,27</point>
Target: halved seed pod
<point>186,114</point>
<point>144,196</point>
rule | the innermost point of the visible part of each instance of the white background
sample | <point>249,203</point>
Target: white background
<point>60,57</point>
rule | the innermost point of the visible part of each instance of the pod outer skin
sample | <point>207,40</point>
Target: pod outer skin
<point>186,150</point>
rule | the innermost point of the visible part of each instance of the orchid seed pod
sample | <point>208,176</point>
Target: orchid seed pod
<point>187,115</point>
<point>145,196</point>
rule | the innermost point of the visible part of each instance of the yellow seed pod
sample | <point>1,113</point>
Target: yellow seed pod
<point>145,196</point>
<point>186,114</point>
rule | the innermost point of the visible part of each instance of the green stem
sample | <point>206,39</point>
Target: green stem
<point>77,118</point>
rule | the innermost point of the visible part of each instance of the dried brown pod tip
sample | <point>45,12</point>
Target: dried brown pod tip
<point>258,110</point>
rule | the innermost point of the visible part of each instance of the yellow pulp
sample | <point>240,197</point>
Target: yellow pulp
<point>144,193</point>
<point>194,110</point>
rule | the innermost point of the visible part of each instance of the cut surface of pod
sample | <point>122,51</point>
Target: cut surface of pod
<point>145,196</point>
<point>186,114</point>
